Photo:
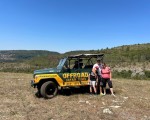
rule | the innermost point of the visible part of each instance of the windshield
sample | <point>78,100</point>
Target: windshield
<point>61,63</point>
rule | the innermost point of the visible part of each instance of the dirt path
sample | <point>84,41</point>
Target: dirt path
<point>132,102</point>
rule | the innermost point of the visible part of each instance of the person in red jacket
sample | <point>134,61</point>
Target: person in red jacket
<point>106,78</point>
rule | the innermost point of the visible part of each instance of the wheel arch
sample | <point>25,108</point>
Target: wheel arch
<point>45,80</point>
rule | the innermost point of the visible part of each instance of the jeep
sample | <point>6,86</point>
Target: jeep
<point>72,71</point>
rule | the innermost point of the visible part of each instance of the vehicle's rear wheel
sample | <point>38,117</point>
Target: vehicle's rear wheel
<point>49,89</point>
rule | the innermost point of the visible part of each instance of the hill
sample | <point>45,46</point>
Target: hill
<point>126,53</point>
<point>19,55</point>
<point>128,60</point>
<point>19,103</point>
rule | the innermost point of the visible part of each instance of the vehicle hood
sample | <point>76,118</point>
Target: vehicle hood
<point>46,71</point>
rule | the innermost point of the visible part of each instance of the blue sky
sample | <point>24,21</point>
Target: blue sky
<point>67,25</point>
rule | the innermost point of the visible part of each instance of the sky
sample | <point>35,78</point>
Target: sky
<point>68,25</point>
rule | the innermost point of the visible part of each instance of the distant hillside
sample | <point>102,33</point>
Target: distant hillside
<point>128,58</point>
<point>18,55</point>
<point>128,53</point>
<point>118,55</point>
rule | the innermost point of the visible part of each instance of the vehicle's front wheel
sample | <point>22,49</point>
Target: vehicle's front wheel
<point>49,89</point>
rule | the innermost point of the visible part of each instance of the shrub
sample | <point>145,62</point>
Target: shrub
<point>147,74</point>
<point>122,74</point>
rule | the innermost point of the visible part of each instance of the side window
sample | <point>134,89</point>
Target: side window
<point>66,67</point>
<point>78,64</point>
<point>89,64</point>
<point>75,65</point>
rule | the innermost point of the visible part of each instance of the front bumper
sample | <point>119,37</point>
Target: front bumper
<point>33,84</point>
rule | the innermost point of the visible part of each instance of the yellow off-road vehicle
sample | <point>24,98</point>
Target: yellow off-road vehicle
<point>71,71</point>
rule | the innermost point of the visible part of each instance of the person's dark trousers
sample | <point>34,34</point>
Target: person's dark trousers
<point>98,84</point>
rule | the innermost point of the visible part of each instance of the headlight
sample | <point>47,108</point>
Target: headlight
<point>35,77</point>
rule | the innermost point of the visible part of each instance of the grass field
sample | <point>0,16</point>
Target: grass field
<point>18,102</point>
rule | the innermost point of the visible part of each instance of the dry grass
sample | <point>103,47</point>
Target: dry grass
<point>132,102</point>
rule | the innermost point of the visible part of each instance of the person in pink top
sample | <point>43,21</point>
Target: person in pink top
<point>106,78</point>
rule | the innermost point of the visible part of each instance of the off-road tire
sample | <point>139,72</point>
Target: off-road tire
<point>49,89</point>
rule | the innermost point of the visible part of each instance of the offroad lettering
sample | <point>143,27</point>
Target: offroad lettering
<point>75,75</point>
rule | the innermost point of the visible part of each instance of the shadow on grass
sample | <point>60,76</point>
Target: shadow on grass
<point>72,91</point>
<point>81,90</point>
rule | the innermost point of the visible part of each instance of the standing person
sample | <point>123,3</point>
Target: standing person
<point>92,80</point>
<point>106,78</point>
<point>97,72</point>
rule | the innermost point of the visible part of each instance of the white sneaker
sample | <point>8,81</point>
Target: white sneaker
<point>113,95</point>
<point>101,94</point>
